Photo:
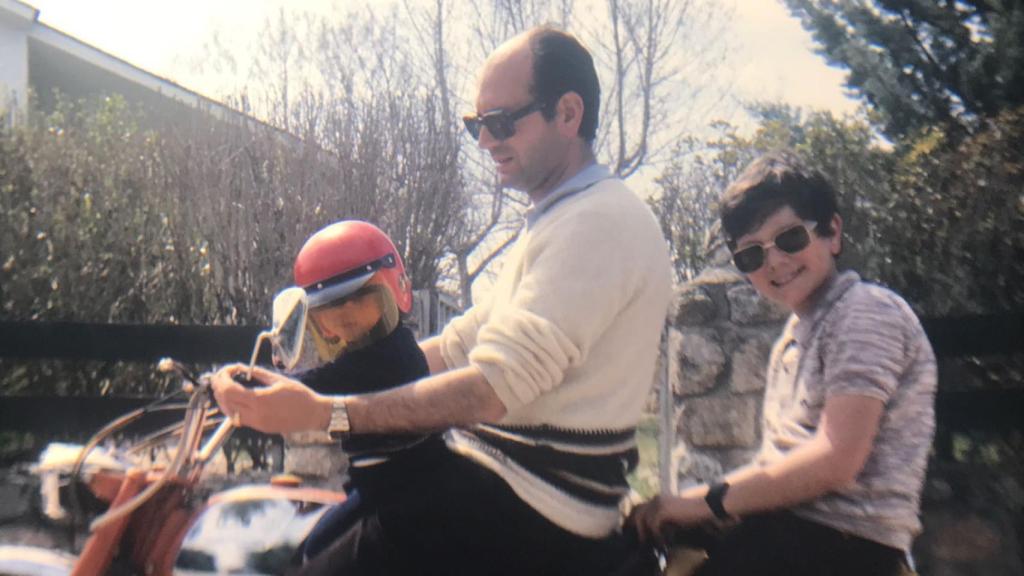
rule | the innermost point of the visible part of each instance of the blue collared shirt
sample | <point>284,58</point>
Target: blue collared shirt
<point>585,178</point>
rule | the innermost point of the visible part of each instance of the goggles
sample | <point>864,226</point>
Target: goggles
<point>500,123</point>
<point>792,240</point>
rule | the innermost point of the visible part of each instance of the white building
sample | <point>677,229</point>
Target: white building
<point>38,59</point>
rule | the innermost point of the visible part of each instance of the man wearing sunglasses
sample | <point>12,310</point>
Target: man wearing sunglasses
<point>543,383</point>
<point>848,414</point>
<point>537,109</point>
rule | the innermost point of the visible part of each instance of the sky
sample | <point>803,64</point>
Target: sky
<point>772,58</point>
<point>775,60</point>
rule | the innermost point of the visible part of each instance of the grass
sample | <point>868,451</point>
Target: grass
<point>645,479</point>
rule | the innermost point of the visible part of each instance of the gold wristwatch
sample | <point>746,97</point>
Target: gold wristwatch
<point>338,426</point>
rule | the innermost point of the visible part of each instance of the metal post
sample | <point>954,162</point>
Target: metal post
<point>666,430</point>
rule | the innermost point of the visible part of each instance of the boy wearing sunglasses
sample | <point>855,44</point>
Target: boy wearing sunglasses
<point>848,413</point>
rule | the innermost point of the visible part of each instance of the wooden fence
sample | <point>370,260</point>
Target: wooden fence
<point>994,408</point>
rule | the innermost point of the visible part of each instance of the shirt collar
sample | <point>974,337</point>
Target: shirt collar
<point>585,178</point>
<point>822,300</point>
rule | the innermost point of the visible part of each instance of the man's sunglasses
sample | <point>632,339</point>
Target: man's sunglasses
<point>790,241</point>
<point>500,123</point>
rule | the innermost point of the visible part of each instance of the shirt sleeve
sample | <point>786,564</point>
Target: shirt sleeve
<point>865,353</point>
<point>578,274</point>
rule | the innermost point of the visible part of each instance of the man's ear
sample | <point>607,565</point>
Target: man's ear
<point>569,114</point>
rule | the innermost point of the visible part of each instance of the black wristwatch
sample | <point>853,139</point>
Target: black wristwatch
<point>714,497</point>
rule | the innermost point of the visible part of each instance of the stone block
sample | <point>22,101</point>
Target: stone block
<point>747,307</point>
<point>701,360</point>
<point>750,361</point>
<point>734,458</point>
<point>705,466</point>
<point>718,275</point>
<point>694,307</point>
<point>318,461</point>
<point>695,467</point>
<point>721,422</point>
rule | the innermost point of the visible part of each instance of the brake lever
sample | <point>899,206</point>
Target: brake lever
<point>228,425</point>
<point>245,379</point>
<point>218,437</point>
<point>166,365</point>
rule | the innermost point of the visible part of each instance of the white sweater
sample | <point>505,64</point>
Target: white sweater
<point>569,341</point>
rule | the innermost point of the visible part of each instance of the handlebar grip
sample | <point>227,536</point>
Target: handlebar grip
<point>243,379</point>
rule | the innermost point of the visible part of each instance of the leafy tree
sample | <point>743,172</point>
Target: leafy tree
<point>333,85</point>
<point>104,221</point>
<point>841,148</point>
<point>923,64</point>
<point>953,227</point>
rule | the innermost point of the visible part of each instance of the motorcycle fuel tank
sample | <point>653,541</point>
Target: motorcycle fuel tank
<point>251,530</point>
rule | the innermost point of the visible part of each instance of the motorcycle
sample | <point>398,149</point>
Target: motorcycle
<point>160,518</point>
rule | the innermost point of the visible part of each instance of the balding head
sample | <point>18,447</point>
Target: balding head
<point>550,63</point>
<point>536,110</point>
<point>507,72</point>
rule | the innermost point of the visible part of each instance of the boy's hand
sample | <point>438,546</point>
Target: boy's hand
<point>652,519</point>
<point>281,405</point>
<point>232,397</point>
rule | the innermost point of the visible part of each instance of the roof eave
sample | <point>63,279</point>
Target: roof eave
<point>20,10</point>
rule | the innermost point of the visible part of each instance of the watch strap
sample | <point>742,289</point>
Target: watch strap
<point>714,498</point>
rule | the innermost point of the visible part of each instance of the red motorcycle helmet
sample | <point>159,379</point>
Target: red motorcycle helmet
<point>345,256</point>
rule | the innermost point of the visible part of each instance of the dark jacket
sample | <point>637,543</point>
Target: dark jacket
<point>380,462</point>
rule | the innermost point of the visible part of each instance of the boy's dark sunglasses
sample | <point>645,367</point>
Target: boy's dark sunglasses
<point>790,241</point>
<point>500,123</point>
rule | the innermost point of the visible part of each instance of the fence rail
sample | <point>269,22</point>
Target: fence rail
<point>982,335</point>
<point>951,337</point>
<point>129,342</point>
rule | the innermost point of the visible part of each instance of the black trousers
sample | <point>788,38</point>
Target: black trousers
<point>781,543</point>
<point>463,519</point>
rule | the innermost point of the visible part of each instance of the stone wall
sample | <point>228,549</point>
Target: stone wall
<point>315,458</point>
<point>721,334</point>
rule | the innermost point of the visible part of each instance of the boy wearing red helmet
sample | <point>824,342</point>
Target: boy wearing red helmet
<point>357,291</point>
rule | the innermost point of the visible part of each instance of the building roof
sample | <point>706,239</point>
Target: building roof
<point>57,60</point>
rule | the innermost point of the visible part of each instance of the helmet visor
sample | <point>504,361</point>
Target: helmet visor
<point>326,291</point>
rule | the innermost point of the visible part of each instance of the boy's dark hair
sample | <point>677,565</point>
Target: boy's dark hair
<point>560,65</point>
<point>775,180</point>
